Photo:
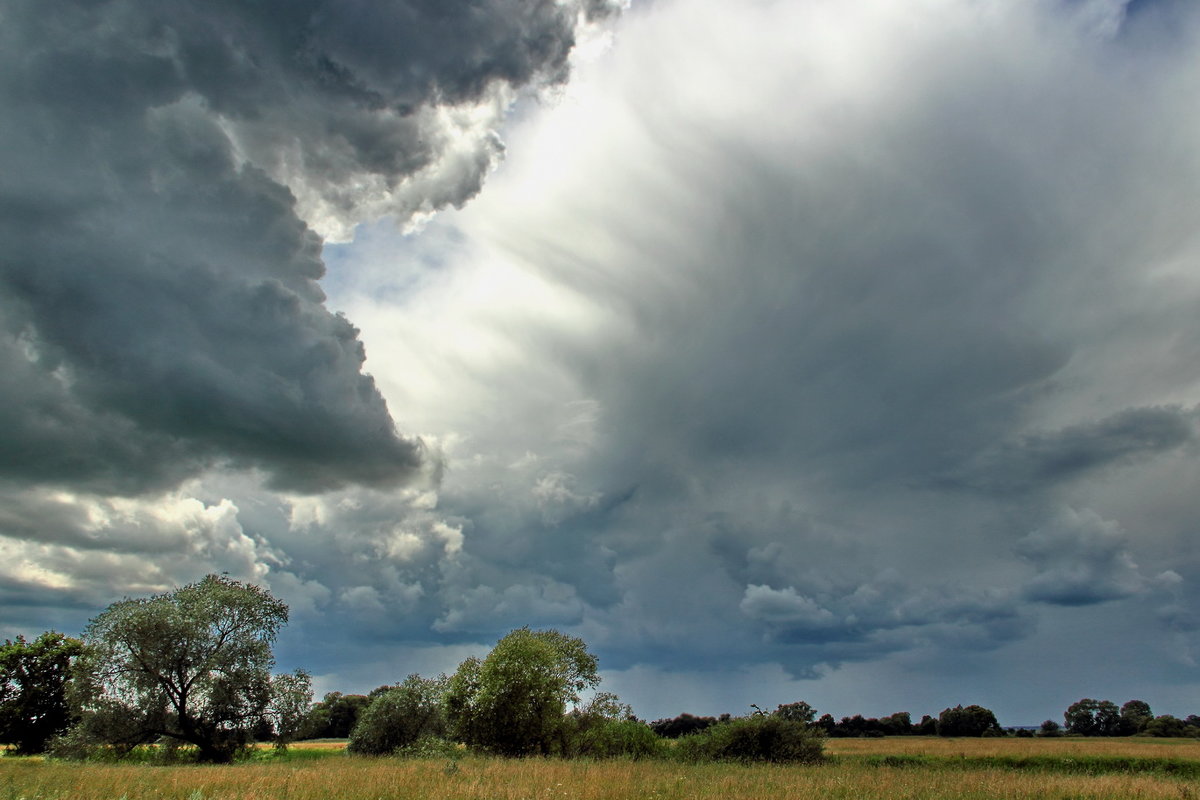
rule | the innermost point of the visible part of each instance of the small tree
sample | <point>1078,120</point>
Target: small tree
<point>401,716</point>
<point>291,696</point>
<point>191,666</point>
<point>513,701</point>
<point>1050,728</point>
<point>33,682</point>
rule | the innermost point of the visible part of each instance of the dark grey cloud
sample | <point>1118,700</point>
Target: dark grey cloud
<point>815,313</point>
<point>161,309</point>
<point>803,350</point>
<point>1080,559</point>
<point>1038,462</point>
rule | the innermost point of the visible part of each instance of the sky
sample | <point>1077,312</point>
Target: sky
<point>842,351</point>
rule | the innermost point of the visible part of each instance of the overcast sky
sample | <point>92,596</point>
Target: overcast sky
<point>835,350</point>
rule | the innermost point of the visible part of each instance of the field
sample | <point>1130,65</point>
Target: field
<point>891,768</point>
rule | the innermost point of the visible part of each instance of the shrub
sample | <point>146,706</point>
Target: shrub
<point>1168,726</point>
<point>613,738</point>
<point>401,717</point>
<point>757,738</point>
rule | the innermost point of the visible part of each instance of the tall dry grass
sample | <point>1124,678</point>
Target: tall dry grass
<point>350,778</point>
<point>1065,747</point>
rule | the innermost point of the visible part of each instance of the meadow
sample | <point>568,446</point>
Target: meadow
<point>892,768</point>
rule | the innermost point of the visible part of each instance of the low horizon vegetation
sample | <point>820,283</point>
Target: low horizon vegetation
<point>186,676</point>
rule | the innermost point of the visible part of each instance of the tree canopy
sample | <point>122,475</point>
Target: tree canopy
<point>401,716</point>
<point>191,666</point>
<point>973,720</point>
<point>1089,717</point>
<point>513,701</point>
<point>336,715</point>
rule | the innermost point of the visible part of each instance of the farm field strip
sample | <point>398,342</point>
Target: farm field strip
<point>485,779</point>
<point>1129,747</point>
<point>859,768</point>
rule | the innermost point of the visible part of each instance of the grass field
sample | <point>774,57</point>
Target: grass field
<point>857,768</point>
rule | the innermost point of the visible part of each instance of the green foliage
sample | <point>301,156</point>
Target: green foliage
<point>33,682</point>
<point>970,721</point>
<point>191,666</point>
<point>287,709</point>
<point>897,724</point>
<point>1135,716</point>
<point>1168,726</point>
<point>618,738</point>
<point>335,716</point>
<point>1090,717</point>
<point>683,725</point>
<point>401,717</point>
<point>756,738</point>
<point>1050,728</point>
<point>606,728</point>
<point>799,711</point>
<point>513,701</point>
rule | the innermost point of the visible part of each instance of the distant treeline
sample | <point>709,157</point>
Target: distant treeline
<point>336,715</point>
<point>188,674</point>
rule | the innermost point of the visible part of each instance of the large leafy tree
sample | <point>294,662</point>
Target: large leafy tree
<point>970,721</point>
<point>1089,717</point>
<point>1135,716</point>
<point>191,666</point>
<point>512,702</point>
<point>33,681</point>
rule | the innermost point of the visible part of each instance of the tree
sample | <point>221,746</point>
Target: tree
<point>1135,716</point>
<point>291,696</point>
<point>1089,717</point>
<point>970,721</point>
<point>513,701</point>
<point>336,715</point>
<point>897,724</point>
<point>401,716</point>
<point>191,666</point>
<point>1050,728</point>
<point>33,681</point>
<point>799,711</point>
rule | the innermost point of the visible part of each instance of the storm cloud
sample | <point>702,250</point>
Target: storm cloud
<point>169,170</point>
<point>838,351</point>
